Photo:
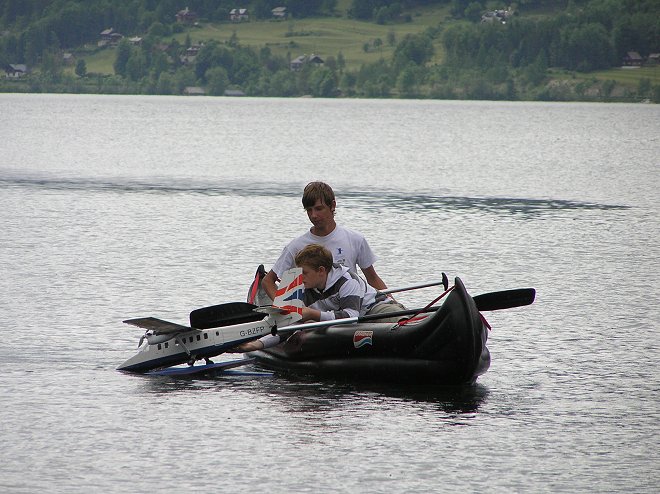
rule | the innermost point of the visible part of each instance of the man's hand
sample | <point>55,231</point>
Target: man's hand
<point>269,284</point>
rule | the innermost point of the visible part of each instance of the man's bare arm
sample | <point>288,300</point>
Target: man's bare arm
<point>373,279</point>
<point>269,284</point>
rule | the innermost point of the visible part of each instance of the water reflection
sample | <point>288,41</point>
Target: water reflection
<point>305,395</point>
<point>371,199</point>
<point>512,205</point>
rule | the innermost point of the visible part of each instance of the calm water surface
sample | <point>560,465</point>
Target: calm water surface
<point>117,207</point>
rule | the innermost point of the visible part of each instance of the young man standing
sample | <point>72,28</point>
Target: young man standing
<point>348,247</point>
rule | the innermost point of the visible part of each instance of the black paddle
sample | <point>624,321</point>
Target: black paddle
<point>240,312</point>
<point>505,299</point>
<point>224,315</point>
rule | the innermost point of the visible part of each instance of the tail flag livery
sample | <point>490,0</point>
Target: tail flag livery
<point>292,292</point>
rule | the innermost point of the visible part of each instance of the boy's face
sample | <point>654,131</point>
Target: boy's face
<point>314,278</point>
<point>320,214</point>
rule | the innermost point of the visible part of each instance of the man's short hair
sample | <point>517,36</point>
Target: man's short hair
<point>314,256</point>
<point>315,191</point>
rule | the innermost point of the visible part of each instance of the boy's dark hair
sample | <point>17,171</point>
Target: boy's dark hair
<point>315,191</point>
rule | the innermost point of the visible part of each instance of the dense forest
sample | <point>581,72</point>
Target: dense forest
<point>489,51</point>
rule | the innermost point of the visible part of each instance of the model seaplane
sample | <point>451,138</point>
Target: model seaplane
<point>437,344</point>
<point>212,331</point>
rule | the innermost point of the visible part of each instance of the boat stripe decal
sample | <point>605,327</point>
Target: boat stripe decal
<point>362,338</point>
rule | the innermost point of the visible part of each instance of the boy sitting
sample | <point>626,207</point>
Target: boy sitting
<point>331,292</point>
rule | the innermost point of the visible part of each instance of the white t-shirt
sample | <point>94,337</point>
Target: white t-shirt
<point>348,247</point>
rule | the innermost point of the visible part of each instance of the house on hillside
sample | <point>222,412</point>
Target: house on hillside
<point>299,62</point>
<point>186,16</point>
<point>654,59</point>
<point>279,13</point>
<point>501,16</point>
<point>15,70</point>
<point>135,41</point>
<point>633,59</point>
<point>191,54</point>
<point>194,91</point>
<point>68,58</point>
<point>239,15</point>
<point>109,37</point>
<point>106,34</point>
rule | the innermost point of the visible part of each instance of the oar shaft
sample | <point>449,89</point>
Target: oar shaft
<point>351,320</point>
<point>411,287</point>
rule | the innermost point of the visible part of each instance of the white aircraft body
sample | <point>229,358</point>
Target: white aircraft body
<point>167,343</point>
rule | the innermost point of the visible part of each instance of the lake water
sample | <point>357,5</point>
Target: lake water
<point>115,207</point>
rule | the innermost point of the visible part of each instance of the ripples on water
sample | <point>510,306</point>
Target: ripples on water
<point>374,199</point>
<point>559,197</point>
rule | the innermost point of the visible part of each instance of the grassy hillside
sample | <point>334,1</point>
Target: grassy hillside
<point>323,36</point>
<point>480,62</point>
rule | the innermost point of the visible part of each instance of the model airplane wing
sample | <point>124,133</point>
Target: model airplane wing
<point>159,326</point>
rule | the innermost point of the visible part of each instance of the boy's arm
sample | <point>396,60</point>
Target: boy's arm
<point>309,314</point>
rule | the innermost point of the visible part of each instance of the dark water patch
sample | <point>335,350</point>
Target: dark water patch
<point>369,199</point>
<point>496,205</point>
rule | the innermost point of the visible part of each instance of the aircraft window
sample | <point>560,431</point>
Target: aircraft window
<point>206,336</point>
<point>160,346</point>
<point>217,333</point>
<point>191,339</point>
<point>167,345</point>
<point>199,337</point>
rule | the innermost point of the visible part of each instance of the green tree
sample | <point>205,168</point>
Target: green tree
<point>644,88</point>
<point>81,68</point>
<point>655,96</point>
<point>341,61</point>
<point>347,83</point>
<point>217,81</point>
<point>322,82</point>
<point>535,73</point>
<point>165,84</point>
<point>391,37</point>
<point>585,48</point>
<point>158,64</point>
<point>283,83</point>
<point>406,82</point>
<point>414,48</point>
<point>136,66</point>
<point>51,65</point>
<point>473,11</point>
<point>123,54</point>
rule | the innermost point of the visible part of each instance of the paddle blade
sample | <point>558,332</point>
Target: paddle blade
<point>505,299</point>
<point>228,314</point>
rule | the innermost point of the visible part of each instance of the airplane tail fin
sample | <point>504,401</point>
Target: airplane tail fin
<point>290,295</point>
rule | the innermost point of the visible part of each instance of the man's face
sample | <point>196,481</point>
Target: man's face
<point>313,278</point>
<point>320,214</point>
